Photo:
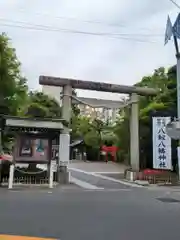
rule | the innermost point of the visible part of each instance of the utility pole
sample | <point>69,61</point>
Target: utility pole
<point>177,75</point>
<point>178,95</point>
<point>175,32</point>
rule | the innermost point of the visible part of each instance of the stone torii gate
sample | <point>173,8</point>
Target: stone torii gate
<point>69,84</point>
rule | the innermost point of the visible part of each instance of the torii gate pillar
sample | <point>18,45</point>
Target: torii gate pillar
<point>64,137</point>
<point>134,132</point>
<point>66,103</point>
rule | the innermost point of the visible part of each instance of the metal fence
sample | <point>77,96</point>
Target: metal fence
<point>27,180</point>
<point>166,178</point>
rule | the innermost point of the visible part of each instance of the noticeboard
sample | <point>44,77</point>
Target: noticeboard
<point>32,148</point>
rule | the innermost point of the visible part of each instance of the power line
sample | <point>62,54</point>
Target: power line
<point>64,29</point>
<point>177,5</point>
<point>82,20</point>
<point>74,19</point>
<point>75,32</point>
<point>122,36</point>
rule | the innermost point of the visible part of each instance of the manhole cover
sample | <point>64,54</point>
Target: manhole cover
<point>168,200</point>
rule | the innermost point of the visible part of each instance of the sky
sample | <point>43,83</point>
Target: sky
<point>114,41</point>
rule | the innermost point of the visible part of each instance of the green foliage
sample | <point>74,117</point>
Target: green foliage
<point>108,137</point>
<point>13,87</point>
<point>92,139</point>
<point>95,133</point>
<point>37,110</point>
<point>90,131</point>
<point>41,105</point>
<point>75,109</point>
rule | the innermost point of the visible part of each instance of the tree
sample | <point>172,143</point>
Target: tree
<point>122,132</point>
<point>95,133</point>
<point>75,109</point>
<point>41,105</point>
<point>13,87</point>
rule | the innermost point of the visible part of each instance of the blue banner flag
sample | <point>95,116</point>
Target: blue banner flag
<point>169,31</point>
<point>176,27</point>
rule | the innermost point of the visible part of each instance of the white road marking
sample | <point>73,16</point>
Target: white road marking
<point>107,173</point>
<point>84,184</point>
<point>106,178</point>
<point>108,190</point>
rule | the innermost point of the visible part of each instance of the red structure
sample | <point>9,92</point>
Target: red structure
<point>112,150</point>
<point>6,157</point>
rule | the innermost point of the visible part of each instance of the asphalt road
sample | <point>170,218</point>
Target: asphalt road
<point>77,214</point>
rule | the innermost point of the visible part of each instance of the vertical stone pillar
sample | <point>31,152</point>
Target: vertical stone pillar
<point>64,138</point>
<point>134,133</point>
<point>66,104</point>
<point>11,176</point>
<point>51,175</point>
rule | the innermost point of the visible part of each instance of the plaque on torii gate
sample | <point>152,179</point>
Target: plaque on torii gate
<point>32,141</point>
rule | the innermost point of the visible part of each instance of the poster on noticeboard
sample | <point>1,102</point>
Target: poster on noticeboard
<point>32,149</point>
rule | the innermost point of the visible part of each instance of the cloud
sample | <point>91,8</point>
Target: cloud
<point>83,56</point>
